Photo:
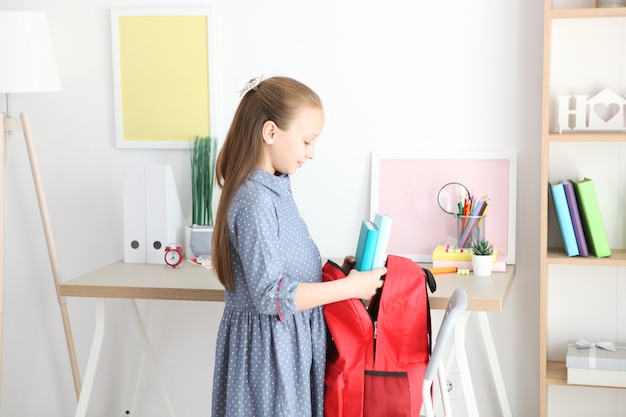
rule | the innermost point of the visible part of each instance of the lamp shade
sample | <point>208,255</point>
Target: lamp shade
<point>28,63</point>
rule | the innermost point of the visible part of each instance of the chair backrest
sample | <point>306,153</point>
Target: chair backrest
<point>456,307</point>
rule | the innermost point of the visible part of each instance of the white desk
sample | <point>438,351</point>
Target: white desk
<point>193,283</point>
<point>485,294</point>
<point>137,281</point>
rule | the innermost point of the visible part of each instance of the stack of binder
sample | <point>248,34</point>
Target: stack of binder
<point>580,220</point>
<point>153,217</point>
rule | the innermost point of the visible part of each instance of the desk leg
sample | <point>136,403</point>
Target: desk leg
<point>133,386</point>
<point>464,372</point>
<point>92,362</point>
<point>143,337</point>
<point>494,364</point>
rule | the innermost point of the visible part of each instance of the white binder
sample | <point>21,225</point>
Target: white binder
<point>134,214</point>
<point>164,215</point>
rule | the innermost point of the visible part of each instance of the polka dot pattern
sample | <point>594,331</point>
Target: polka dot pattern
<point>270,359</point>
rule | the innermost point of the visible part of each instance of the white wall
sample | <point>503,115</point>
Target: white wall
<point>393,75</point>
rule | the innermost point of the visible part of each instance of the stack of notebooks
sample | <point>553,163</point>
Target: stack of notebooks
<point>579,218</point>
<point>371,250</point>
<point>449,255</point>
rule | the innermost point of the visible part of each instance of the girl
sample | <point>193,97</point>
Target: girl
<point>271,343</point>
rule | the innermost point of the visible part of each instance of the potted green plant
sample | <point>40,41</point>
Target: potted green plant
<point>482,258</point>
<point>202,160</point>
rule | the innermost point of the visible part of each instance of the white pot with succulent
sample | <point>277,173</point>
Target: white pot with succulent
<point>200,233</point>
<point>482,258</point>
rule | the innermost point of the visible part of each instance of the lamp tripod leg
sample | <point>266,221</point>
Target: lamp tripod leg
<point>56,270</point>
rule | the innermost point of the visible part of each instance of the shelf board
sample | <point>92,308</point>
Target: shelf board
<point>586,137</point>
<point>589,12</point>
<point>558,256</point>
<point>556,374</point>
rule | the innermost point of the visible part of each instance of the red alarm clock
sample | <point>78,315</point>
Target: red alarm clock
<point>173,255</point>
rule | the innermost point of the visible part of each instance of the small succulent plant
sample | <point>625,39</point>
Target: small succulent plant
<point>482,247</point>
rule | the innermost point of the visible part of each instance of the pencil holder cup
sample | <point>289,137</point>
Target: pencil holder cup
<point>469,229</point>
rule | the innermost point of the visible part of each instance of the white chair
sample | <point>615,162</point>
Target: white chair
<point>456,307</point>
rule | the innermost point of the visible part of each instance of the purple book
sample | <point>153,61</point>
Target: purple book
<point>576,222</point>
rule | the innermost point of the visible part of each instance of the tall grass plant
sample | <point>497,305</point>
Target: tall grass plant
<point>203,157</point>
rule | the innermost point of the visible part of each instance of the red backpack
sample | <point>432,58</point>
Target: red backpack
<point>377,356</point>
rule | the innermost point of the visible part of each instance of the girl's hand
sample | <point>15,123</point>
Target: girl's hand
<point>359,285</point>
<point>364,284</point>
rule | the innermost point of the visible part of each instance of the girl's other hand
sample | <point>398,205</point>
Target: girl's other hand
<point>348,263</point>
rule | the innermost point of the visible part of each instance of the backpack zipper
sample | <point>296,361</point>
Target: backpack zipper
<point>375,322</point>
<point>372,312</point>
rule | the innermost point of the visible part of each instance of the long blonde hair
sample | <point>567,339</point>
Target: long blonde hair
<point>277,99</point>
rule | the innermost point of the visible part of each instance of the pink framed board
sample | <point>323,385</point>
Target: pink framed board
<point>405,185</point>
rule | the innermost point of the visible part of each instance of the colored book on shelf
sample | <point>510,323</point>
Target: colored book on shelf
<point>564,218</point>
<point>591,218</point>
<point>454,253</point>
<point>499,265</point>
<point>366,246</point>
<point>383,224</point>
<point>572,204</point>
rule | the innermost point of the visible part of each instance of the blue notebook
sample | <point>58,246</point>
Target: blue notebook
<point>366,246</point>
<point>564,219</point>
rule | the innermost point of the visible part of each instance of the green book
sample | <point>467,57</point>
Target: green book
<point>591,218</point>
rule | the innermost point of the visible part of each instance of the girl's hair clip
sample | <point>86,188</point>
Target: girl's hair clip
<point>250,85</point>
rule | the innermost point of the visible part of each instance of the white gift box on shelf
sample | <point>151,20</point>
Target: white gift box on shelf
<point>598,364</point>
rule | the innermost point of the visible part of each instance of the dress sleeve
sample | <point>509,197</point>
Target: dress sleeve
<point>254,234</point>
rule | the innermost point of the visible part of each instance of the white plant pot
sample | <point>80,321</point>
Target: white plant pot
<point>187,245</point>
<point>205,233</point>
<point>482,265</point>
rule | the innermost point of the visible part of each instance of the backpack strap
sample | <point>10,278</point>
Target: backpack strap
<point>432,285</point>
<point>430,280</point>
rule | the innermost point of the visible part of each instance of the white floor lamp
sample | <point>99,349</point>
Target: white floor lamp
<point>28,64</point>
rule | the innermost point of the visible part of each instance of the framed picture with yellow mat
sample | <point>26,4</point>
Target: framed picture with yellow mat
<point>163,76</point>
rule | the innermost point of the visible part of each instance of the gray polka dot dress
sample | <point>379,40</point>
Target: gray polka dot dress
<point>270,358</point>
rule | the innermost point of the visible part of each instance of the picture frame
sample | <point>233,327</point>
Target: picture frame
<point>405,185</point>
<point>163,77</point>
